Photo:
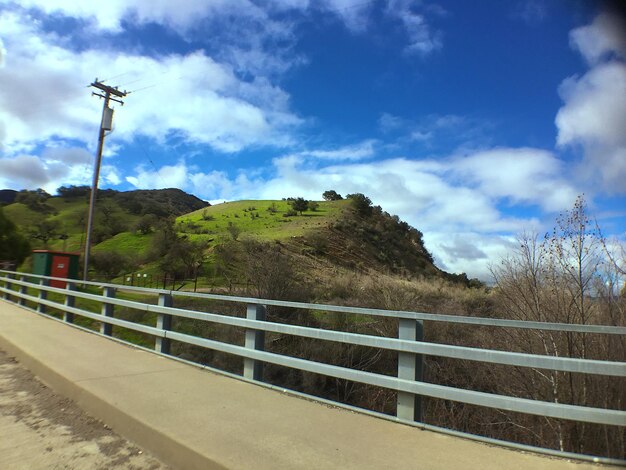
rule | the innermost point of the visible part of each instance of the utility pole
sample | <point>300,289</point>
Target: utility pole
<point>108,93</point>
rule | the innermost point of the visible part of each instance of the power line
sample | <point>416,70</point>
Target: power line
<point>157,83</point>
<point>114,77</point>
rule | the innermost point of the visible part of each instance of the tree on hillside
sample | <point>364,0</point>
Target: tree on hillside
<point>45,231</point>
<point>110,264</point>
<point>184,258</point>
<point>70,192</point>
<point>331,195</point>
<point>34,200</point>
<point>299,204</point>
<point>176,255</point>
<point>361,204</point>
<point>13,245</point>
<point>164,237</point>
<point>146,224</point>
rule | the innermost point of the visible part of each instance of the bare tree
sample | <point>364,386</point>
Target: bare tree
<point>563,278</point>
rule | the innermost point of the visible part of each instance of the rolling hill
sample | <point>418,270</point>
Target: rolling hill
<point>327,237</point>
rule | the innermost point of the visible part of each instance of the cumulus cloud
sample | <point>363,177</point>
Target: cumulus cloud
<point>455,193</point>
<point>168,176</point>
<point>605,36</point>
<point>175,14</point>
<point>205,101</point>
<point>470,252</point>
<point>55,167</point>
<point>520,175</point>
<point>594,105</point>
<point>459,194</point>
<point>257,22</point>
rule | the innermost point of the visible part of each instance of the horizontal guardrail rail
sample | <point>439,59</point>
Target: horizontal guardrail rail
<point>536,361</point>
<point>479,321</point>
<point>408,345</point>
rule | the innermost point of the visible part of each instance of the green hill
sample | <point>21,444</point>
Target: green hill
<point>64,217</point>
<point>261,220</point>
<point>169,231</point>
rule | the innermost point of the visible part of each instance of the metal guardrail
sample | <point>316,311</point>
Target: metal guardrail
<point>408,344</point>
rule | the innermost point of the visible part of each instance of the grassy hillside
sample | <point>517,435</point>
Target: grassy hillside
<point>262,220</point>
<point>149,232</point>
<point>117,213</point>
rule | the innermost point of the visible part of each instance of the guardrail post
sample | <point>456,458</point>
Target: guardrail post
<point>409,406</point>
<point>107,311</point>
<point>8,286</point>
<point>23,290</point>
<point>43,295</point>
<point>255,339</point>
<point>164,322</point>
<point>70,301</point>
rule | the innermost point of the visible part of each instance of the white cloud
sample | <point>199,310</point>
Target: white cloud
<point>168,176</point>
<point>197,97</point>
<point>422,39</point>
<point>56,167</point>
<point>455,193</point>
<point>454,201</point>
<point>179,15</point>
<point>521,175</point>
<point>606,35</point>
<point>353,13</point>
<point>256,22</point>
<point>594,105</point>
<point>359,151</point>
<point>389,123</point>
<point>3,53</point>
<point>469,252</point>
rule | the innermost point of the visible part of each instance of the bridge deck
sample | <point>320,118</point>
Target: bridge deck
<point>191,418</point>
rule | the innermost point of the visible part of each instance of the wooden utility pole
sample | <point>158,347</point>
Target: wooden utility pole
<point>108,94</point>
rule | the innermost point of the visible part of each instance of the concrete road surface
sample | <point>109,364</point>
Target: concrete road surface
<point>191,418</point>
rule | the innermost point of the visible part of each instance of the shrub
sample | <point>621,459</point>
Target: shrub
<point>299,204</point>
<point>233,230</point>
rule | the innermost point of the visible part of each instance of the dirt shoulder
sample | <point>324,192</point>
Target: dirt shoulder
<point>42,430</point>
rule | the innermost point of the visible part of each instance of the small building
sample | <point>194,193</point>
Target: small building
<point>56,264</point>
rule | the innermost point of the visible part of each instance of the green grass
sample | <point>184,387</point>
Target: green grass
<point>71,216</point>
<point>127,243</point>
<point>21,215</point>
<point>254,219</point>
<point>263,220</point>
<point>267,225</point>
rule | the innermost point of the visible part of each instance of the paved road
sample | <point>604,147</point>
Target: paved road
<point>193,419</point>
<point>42,430</point>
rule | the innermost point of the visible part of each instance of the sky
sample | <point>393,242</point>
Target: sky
<point>472,121</point>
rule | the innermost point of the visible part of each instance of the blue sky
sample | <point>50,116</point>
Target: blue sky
<point>473,121</point>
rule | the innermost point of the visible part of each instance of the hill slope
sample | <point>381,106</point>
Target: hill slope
<point>59,222</point>
<point>157,231</point>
